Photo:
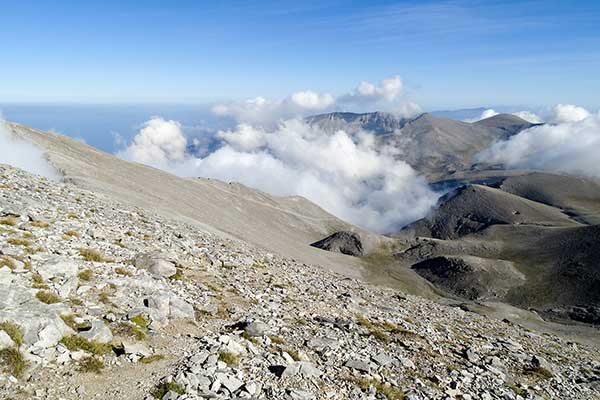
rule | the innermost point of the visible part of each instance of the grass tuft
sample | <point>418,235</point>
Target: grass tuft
<point>128,330</point>
<point>123,272</point>
<point>13,331</point>
<point>9,221</point>
<point>39,224</point>
<point>6,261</point>
<point>12,362</point>
<point>74,343</point>
<point>141,321</point>
<point>539,372</point>
<point>71,234</point>
<point>229,358</point>
<point>178,275</point>
<point>390,392</point>
<point>69,319</point>
<point>93,255</point>
<point>91,364</point>
<point>47,297</point>
<point>151,359</point>
<point>19,242</point>
<point>162,389</point>
<point>86,275</point>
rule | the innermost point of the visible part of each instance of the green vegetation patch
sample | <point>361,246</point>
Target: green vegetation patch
<point>13,331</point>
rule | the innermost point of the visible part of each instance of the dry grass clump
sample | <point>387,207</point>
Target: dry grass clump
<point>38,281</point>
<point>69,319</point>
<point>151,359</point>
<point>123,271</point>
<point>91,364</point>
<point>128,330</point>
<point>277,340</point>
<point>6,261</point>
<point>104,297</point>
<point>12,362</point>
<point>76,301</point>
<point>229,358</point>
<point>390,392</point>
<point>47,297</point>
<point>93,255</point>
<point>86,275</point>
<point>39,224</point>
<point>251,339</point>
<point>19,241</point>
<point>383,331</point>
<point>141,321</point>
<point>13,331</point>
<point>539,372</point>
<point>74,343</point>
<point>161,390</point>
<point>71,234</point>
<point>178,275</point>
<point>9,221</point>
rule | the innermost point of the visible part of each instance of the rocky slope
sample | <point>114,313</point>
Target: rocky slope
<point>106,300</point>
<point>282,224</point>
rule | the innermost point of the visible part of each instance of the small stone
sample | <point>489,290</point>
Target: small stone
<point>382,359</point>
<point>256,328</point>
<point>98,332</point>
<point>358,365</point>
<point>5,340</point>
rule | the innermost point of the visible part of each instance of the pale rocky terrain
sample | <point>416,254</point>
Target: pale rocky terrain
<point>104,300</point>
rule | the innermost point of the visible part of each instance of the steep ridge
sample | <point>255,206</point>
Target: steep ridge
<point>284,225</point>
<point>580,197</point>
<point>505,125</point>
<point>473,208</point>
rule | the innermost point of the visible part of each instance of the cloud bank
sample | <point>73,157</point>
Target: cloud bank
<point>268,113</point>
<point>271,148</point>
<point>570,145</point>
<point>347,176</point>
<point>526,115</point>
<point>23,155</point>
<point>158,142</point>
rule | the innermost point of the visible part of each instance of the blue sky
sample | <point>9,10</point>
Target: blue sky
<point>450,54</point>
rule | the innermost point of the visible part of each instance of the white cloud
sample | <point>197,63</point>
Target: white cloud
<point>572,146</point>
<point>158,142</point>
<point>569,113</point>
<point>407,109</point>
<point>267,113</point>
<point>312,100</point>
<point>526,115</point>
<point>348,176</point>
<point>387,90</point>
<point>23,155</point>
<point>529,117</point>
<point>485,114</point>
<point>244,138</point>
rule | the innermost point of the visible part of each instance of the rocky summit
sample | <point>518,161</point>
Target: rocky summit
<point>102,300</point>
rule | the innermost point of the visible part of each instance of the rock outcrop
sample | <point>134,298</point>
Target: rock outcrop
<point>348,243</point>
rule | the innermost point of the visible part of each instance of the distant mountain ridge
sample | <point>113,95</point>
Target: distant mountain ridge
<point>436,147</point>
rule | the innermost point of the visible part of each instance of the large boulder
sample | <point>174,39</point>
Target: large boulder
<point>155,263</point>
<point>342,242</point>
<point>57,267</point>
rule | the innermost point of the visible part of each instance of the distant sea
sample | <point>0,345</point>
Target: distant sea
<point>97,124</point>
